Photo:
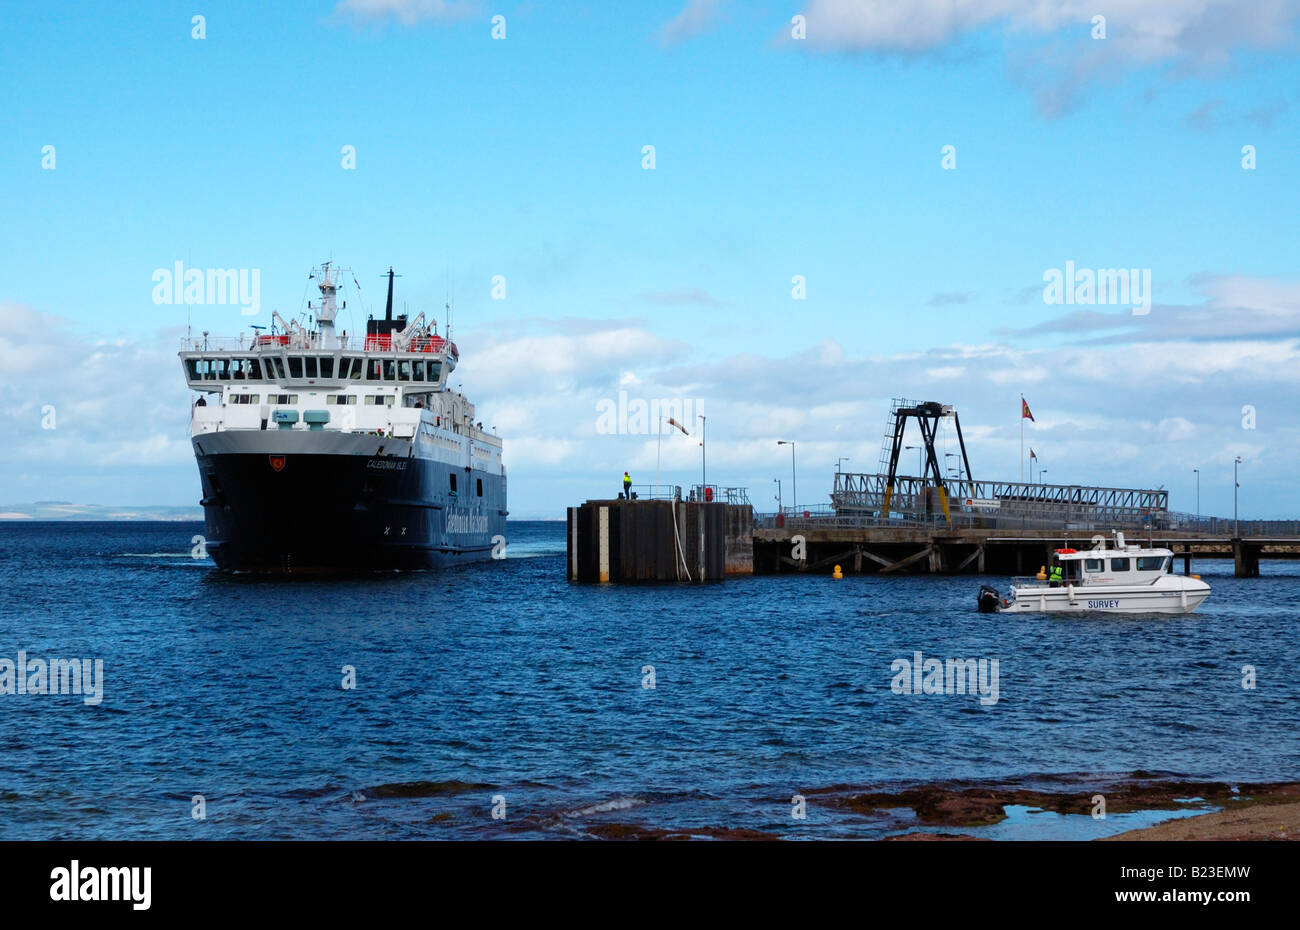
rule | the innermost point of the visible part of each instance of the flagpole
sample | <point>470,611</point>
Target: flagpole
<point>1022,438</point>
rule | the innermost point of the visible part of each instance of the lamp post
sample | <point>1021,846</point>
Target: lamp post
<point>704,454</point>
<point>1197,471</point>
<point>919,449</point>
<point>659,444</point>
<point>954,455</point>
<point>794,475</point>
<point>1235,484</point>
<point>843,458</point>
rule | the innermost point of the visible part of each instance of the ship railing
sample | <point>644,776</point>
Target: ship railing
<point>431,345</point>
<point>1027,581</point>
<point>223,343</point>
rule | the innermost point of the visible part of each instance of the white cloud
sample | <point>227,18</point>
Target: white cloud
<point>695,18</point>
<point>1062,59</point>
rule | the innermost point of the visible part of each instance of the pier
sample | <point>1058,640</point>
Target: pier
<point>884,522</point>
<point>661,537</point>
<point>907,524</point>
<point>806,546</point>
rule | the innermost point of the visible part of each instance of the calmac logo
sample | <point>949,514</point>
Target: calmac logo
<point>277,462</point>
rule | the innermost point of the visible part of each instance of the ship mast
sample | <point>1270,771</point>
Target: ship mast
<point>328,308</point>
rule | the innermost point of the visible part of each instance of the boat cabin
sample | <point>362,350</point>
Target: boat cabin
<point>1129,564</point>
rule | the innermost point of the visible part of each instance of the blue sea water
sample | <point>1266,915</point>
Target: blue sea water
<point>503,685</point>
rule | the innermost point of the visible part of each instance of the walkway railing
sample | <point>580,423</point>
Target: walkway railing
<point>825,517</point>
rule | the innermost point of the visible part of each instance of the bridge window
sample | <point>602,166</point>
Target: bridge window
<point>419,370</point>
<point>390,370</point>
<point>192,369</point>
<point>1119,565</point>
<point>1152,563</point>
<point>242,369</point>
<point>404,370</point>
<point>327,368</point>
<point>357,366</point>
<point>434,369</point>
<point>1092,565</point>
<point>295,366</point>
<point>344,364</point>
<point>278,363</point>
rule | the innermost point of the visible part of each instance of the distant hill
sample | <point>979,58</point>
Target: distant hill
<point>65,510</point>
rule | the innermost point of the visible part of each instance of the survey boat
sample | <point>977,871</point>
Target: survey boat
<point>1124,579</point>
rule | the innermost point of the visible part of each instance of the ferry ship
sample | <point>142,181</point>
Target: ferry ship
<point>1124,579</point>
<point>318,452</point>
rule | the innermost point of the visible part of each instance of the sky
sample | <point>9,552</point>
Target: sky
<point>845,202</point>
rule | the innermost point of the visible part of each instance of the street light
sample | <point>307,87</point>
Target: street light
<point>919,466</point>
<point>1198,497</point>
<point>837,463</point>
<point>704,454</point>
<point>1235,484</point>
<point>794,475</point>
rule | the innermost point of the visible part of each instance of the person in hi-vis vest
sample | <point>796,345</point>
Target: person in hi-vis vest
<point>627,486</point>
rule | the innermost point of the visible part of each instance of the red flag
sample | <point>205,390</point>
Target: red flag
<point>1024,411</point>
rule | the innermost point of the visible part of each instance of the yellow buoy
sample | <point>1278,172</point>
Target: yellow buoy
<point>837,573</point>
<point>1042,574</point>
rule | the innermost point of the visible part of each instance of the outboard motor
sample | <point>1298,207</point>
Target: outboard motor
<point>989,600</point>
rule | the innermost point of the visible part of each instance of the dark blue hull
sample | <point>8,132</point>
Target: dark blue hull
<point>343,513</point>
